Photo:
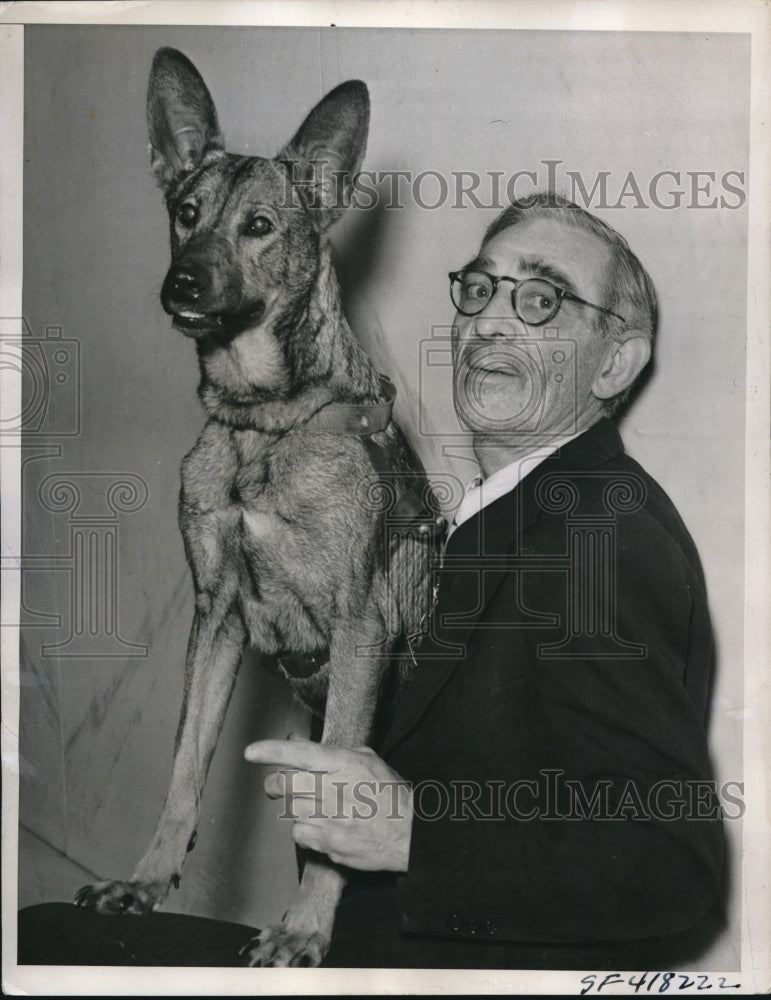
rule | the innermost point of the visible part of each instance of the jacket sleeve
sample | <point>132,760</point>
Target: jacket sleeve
<point>549,866</point>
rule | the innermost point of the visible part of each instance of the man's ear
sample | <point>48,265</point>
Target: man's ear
<point>623,362</point>
<point>328,149</point>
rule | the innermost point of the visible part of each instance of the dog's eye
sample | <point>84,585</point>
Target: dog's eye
<point>187,214</point>
<point>259,226</point>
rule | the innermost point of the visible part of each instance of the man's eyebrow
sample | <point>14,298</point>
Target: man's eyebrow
<point>478,264</point>
<point>530,267</point>
<point>537,267</point>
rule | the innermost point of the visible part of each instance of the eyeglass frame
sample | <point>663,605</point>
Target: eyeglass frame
<point>561,294</point>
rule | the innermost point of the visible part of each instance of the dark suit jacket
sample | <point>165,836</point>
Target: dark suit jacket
<point>554,733</point>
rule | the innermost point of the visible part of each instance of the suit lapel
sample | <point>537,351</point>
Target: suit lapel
<point>478,556</point>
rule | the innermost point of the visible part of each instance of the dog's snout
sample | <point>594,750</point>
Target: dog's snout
<point>187,290</point>
<point>185,284</point>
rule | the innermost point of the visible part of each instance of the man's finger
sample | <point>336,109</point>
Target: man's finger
<point>302,754</point>
<point>298,784</point>
<point>304,810</point>
<point>309,836</point>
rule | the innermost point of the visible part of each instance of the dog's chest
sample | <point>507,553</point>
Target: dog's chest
<point>264,533</point>
<point>229,480</point>
<point>263,500</point>
<point>253,484</point>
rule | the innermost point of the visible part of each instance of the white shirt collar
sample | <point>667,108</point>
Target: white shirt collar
<point>480,493</point>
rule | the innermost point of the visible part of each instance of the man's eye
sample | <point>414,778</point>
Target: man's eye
<point>187,214</point>
<point>538,301</point>
<point>475,290</point>
<point>260,226</point>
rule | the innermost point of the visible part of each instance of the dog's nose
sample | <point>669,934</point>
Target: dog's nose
<point>185,285</point>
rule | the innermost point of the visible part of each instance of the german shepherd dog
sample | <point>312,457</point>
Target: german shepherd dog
<point>288,550</point>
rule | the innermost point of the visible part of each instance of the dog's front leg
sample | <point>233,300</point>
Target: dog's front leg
<point>356,664</point>
<point>214,653</point>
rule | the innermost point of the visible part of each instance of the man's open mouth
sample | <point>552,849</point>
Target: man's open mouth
<point>494,366</point>
<point>493,362</point>
<point>497,369</point>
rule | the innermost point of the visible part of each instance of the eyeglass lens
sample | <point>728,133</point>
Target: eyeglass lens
<point>535,301</point>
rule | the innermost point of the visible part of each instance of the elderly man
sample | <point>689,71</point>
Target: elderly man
<point>543,796</point>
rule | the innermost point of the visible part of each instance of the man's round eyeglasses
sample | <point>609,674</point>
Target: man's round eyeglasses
<point>535,300</point>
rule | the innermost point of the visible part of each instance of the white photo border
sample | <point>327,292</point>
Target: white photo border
<point>673,16</point>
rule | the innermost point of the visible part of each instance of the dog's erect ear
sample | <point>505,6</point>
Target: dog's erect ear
<point>181,117</point>
<point>328,149</point>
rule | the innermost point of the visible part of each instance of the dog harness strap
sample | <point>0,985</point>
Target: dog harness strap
<point>355,418</point>
<point>409,512</point>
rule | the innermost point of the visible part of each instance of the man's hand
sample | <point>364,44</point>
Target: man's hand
<point>347,804</point>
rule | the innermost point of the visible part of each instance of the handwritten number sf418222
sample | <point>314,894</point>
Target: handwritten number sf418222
<point>656,982</point>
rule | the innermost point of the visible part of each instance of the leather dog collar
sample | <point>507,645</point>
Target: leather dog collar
<point>362,419</point>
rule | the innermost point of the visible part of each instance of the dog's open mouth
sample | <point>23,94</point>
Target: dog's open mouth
<point>223,325</point>
<point>197,323</point>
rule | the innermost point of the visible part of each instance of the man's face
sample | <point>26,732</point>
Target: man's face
<point>519,383</point>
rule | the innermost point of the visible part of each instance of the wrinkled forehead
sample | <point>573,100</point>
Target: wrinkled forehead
<point>225,176</point>
<point>573,258</point>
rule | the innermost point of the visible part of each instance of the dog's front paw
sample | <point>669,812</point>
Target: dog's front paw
<point>121,897</point>
<point>280,947</point>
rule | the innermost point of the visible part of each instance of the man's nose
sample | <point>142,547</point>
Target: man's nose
<point>499,319</point>
<point>493,328</point>
<point>499,324</point>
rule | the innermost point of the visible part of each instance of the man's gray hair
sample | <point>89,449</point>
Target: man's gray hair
<point>629,290</point>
